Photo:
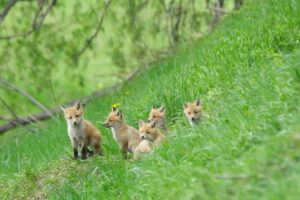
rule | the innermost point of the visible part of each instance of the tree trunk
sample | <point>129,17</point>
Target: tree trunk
<point>238,4</point>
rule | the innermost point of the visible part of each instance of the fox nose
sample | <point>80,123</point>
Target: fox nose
<point>193,118</point>
<point>149,121</point>
<point>74,123</point>
<point>143,137</point>
<point>105,125</point>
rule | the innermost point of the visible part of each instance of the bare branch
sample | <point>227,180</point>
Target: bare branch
<point>220,10</point>
<point>238,176</point>
<point>14,123</point>
<point>90,40</point>
<point>39,16</point>
<point>26,95</point>
<point>232,176</point>
<point>30,119</point>
<point>8,108</point>
<point>7,8</point>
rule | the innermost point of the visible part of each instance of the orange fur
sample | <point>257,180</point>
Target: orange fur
<point>127,136</point>
<point>159,115</point>
<point>150,132</point>
<point>82,133</point>
<point>194,112</point>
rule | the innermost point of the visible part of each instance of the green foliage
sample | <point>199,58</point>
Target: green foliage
<point>133,34</point>
<point>246,73</point>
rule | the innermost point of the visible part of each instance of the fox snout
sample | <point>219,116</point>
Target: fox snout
<point>106,125</point>
<point>194,118</point>
<point>74,121</point>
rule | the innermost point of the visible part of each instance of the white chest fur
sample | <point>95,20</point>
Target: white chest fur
<point>114,134</point>
<point>76,131</point>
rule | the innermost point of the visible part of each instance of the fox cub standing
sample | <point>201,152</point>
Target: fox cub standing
<point>158,114</point>
<point>81,132</point>
<point>194,112</point>
<point>150,131</point>
<point>127,136</point>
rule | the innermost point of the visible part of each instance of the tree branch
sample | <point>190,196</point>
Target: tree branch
<point>90,40</point>
<point>7,8</point>
<point>220,10</point>
<point>30,119</point>
<point>39,16</point>
<point>8,108</point>
<point>14,123</point>
<point>26,95</point>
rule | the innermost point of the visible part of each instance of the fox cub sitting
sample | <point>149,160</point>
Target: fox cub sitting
<point>81,132</point>
<point>158,114</point>
<point>150,131</point>
<point>127,136</point>
<point>194,112</point>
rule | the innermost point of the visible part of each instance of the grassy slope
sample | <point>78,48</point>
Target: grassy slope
<point>247,74</point>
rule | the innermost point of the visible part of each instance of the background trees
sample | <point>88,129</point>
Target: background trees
<point>61,50</point>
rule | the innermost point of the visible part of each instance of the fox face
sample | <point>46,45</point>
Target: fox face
<point>157,114</point>
<point>74,114</point>
<point>114,119</point>
<point>148,131</point>
<point>193,112</point>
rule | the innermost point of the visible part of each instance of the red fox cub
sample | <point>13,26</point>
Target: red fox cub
<point>158,114</point>
<point>81,132</point>
<point>194,112</point>
<point>150,131</point>
<point>127,136</point>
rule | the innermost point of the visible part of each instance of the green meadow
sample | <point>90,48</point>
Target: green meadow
<point>247,73</point>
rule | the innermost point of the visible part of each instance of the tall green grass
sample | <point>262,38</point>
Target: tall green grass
<point>247,73</point>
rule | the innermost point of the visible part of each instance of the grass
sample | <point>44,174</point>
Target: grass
<point>247,74</point>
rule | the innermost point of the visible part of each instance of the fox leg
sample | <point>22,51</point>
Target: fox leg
<point>90,152</point>
<point>84,151</point>
<point>75,148</point>
<point>124,149</point>
<point>98,149</point>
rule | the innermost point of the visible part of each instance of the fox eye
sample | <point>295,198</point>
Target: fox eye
<point>76,115</point>
<point>148,132</point>
<point>196,112</point>
<point>189,113</point>
<point>154,116</point>
<point>70,117</point>
<point>110,120</point>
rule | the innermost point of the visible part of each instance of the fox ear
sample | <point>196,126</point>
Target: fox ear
<point>185,104</point>
<point>162,109</point>
<point>120,114</point>
<point>141,123</point>
<point>63,108</point>
<point>197,102</point>
<point>153,124</point>
<point>78,105</point>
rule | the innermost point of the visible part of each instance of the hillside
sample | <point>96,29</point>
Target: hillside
<point>247,74</point>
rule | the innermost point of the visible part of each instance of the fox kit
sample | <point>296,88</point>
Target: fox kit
<point>150,131</point>
<point>81,132</point>
<point>194,112</point>
<point>158,114</point>
<point>127,136</point>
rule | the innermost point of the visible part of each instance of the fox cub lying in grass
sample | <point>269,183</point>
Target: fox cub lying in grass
<point>194,112</point>
<point>82,132</point>
<point>127,136</point>
<point>150,131</point>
